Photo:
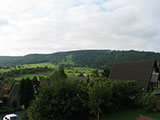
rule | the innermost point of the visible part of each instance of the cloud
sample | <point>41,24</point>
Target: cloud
<point>49,26</point>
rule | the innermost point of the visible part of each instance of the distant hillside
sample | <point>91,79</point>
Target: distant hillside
<point>85,58</point>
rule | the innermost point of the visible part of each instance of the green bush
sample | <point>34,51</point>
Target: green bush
<point>147,101</point>
<point>25,116</point>
<point>63,100</point>
<point>14,103</point>
<point>150,103</point>
<point>25,92</point>
<point>100,97</point>
<point>6,109</point>
<point>125,93</point>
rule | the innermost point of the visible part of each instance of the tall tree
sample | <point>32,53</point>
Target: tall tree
<point>58,74</point>
<point>25,92</point>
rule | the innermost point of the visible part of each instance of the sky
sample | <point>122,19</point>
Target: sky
<point>48,26</point>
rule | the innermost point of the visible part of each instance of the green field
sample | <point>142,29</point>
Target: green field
<point>74,71</point>
<point>70,71</point>
<point>4,70</point>
<point>50,65</point>
<point>31,76</point>
<point>130,115</point>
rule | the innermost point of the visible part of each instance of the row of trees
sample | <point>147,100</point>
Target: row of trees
<point>66,99</point>
<point>26,90</point>
<point>70,99</point>
<point>17,72</point>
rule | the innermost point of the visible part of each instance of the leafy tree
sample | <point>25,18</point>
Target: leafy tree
<point>58,74</point>
<point>125,93</point>
<point>61,100</point>
<point>106,73</point>
<point>95,73</point>
<point>25,92</point>
<point>21,90</point>
<point>80,74</point>
<point>100,98</point>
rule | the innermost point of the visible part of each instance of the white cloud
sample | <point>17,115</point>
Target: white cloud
<point>34,26</point>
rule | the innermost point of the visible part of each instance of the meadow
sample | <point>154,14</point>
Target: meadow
<point>24,66</point>
<point>31,76</point>
<point>70,71</point>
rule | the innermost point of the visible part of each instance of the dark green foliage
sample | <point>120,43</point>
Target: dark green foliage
<point>95,74</point>
<point>80,74</point>
<point>106,73</point>
<point>84,58</point>
<point>125,93</point>
<point>14,103</point>
<point>21,92</point>
<point>6,109</point>
<point>74,100</point>
<point>100,97</point>
<point>58,74</point>
<point>147,101</point>
<point>60,101</point>
<point>25,116</point>
<point>17,72</point>
<point>25,92</point>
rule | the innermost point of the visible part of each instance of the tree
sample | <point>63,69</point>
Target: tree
<point>100,97</point>
<point>80,74</point>
<point>95,73</point>
<point>125,93</point>
<point>62,100</point>
<point>58,74</point>
<point>25,92</point>
<point>106,73</point>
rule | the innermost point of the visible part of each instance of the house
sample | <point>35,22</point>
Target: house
<point>13,95</point>
<point>145,73</point>
<point>9,93</point>
<point>7,86</point>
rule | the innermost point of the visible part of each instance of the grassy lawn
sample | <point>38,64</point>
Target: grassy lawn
<point>130,115</point>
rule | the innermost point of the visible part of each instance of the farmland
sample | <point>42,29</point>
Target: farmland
<point>70,71</point>
<point>31,76</point>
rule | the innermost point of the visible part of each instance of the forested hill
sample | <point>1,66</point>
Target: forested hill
<point>85,58</point>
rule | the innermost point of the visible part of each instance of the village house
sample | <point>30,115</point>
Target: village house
<point>8,93</point>
<point>7,86</point>
<point>145,73</point>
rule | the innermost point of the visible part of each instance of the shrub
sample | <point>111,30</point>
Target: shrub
<point>150,103</point>
<point>6,109</point>
<point>125,93</point>
<point>25,92</point>
<point>60,101</point>
<point>14,103</point>
<point>100,97</point>
<point>147,101</point>
<point>25,116</point>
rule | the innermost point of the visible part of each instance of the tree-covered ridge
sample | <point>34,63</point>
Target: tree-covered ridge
<point>82,58</point>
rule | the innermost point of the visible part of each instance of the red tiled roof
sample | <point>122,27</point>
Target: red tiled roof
<point>141,117</point>
<point>7,86</point>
